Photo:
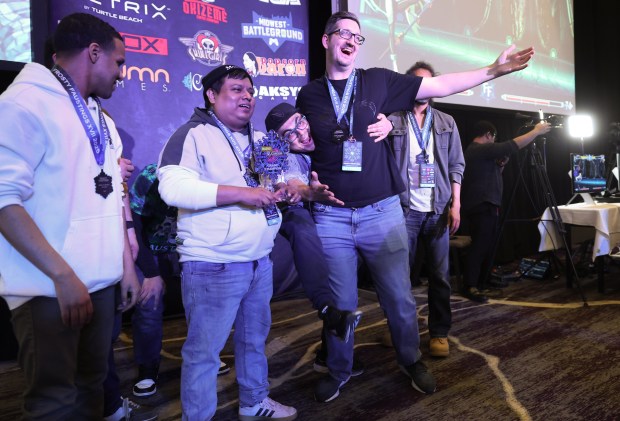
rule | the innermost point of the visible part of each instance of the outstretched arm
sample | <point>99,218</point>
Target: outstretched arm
<point>452,83</point>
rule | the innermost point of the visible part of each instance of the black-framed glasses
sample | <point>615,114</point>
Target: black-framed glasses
<point>346,34</point>
<point>292,135</point>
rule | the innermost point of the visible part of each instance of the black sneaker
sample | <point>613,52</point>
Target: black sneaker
<point>421,379</point>
<point>146,385</point>
<point>327,389</point>
<point>340,322</point>
<point>472,293</point>
<point>320,366</point>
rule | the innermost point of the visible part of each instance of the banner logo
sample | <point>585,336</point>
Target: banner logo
<point>273,92</point>
<point>205,11</point>
<point>144,75</point>
<point>274,32</point>
<point>283,2</point>
<point>146,45</point>
<point>132,11</point>
<point>205,48</point>
<point>193,81</point>
<point>256,65</point>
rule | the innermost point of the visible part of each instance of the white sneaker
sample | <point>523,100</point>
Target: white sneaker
<point>266,410</point>
<point>130,410</point>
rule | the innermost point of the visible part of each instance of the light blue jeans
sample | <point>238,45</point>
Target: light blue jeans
<point>215,295</point>
<point>378,233</point>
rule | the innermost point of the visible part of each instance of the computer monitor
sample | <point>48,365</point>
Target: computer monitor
<point>587,174</point>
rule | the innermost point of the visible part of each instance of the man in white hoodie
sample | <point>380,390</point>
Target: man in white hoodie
<point>63,243</point>
<point>225,232</point>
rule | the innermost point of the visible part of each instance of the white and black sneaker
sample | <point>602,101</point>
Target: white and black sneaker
<point>328,388</point>
<point>267,409</point>
<point>131,411</point>
<point>146,385</point>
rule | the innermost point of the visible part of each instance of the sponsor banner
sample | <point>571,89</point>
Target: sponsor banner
<point>145,44</point>
<point>273,66</point>
<point>171,44</point>
<point>274,30</point>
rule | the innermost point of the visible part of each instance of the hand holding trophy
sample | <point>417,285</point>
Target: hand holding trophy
<point>270,161</point>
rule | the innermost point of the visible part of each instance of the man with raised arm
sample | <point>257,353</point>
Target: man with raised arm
<point>363,174</point>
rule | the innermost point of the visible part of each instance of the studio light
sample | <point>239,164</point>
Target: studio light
<point>580,126</point>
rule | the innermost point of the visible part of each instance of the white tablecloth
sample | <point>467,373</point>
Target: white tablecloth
<point>604,217</point>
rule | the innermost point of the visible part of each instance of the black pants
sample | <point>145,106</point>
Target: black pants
<point>483,221</point>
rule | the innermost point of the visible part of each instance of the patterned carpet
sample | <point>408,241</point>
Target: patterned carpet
<point>533,353</point>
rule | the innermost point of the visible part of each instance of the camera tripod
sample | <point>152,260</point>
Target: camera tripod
<point>535,159</point>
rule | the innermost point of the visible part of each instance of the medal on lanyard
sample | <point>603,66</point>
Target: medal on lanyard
<point>103,182</point>
<point>427,170</point>
<point>351,148</point>
<point>250,177</point>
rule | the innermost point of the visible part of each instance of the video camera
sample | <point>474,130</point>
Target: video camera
<point>556,121</point>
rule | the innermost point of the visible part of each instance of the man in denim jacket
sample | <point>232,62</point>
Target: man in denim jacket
<point>430,160</point>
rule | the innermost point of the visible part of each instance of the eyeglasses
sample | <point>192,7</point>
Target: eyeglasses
<point>292,135</point>
<point>346,34</point>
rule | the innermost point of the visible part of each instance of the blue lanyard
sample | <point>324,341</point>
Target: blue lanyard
<point>424,136</point>
<point>241,156</point>
<point>97,142</point>
<point>341,107</point>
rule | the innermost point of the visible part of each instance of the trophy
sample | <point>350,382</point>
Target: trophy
<point>270,161</point>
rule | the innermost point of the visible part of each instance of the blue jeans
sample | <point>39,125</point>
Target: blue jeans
<point>377,232</point>
<point>431,231</point>
<point>147,323</point>
<point>215,296</point>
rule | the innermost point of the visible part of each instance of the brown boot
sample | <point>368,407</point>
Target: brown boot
<point>439,347</point>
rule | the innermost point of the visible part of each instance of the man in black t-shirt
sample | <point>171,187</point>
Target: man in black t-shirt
<point>363,174</point>
<point>482,196</point>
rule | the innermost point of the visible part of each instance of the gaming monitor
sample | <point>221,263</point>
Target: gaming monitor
<point>587,173</point>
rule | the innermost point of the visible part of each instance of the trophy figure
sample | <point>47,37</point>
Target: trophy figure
<point>270,161</point>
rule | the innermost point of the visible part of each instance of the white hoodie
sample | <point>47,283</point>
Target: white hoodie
<point>48,167</point>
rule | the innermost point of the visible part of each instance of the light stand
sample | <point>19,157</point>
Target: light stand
<point>580,125</point>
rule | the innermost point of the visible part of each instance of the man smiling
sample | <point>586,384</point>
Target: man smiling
<point>224,241</point>
<point>362,173</point>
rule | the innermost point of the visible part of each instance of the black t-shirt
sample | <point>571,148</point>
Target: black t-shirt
<point>482,181</point>
<point>378,91</point>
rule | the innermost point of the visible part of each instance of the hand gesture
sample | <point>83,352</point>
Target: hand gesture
<point>321,193</point>
<point>380,129</point>
<point>542,128</point>
<point>509,61</point>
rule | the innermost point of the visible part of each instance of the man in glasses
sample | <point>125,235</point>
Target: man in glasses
<point>299,228</point>
<point>482,198</point>
<point>362,173</point>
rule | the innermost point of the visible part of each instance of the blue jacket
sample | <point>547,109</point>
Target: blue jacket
<point>448,152</point>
